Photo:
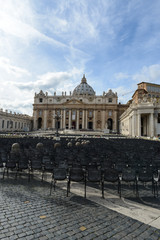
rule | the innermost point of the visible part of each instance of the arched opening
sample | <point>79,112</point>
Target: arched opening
<point>110,123</point>
<point>39,123</point>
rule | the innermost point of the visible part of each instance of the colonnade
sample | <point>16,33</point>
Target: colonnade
<point>81,118</point>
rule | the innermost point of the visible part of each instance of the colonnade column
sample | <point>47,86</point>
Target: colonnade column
<point>139,124</point>
<point>53,122</point>
<point>116,121</point>
<point>69,119</point>
<point>103,119</point>
<point>133,125</point>
<point>61,125</point>
<point>45,120</point>
<point>77,121</point>
<point>64,119</point>
<point>94,119</point>
<point>86,119</point>
<point>151,125</point>
<point>35,120</point>
<point>83,119</point>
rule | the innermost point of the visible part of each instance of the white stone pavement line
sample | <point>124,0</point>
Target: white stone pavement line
<point>137,211</point>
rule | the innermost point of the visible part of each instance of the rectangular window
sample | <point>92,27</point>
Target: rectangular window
<point>90,113</point>
<point>2,123</point>
<point>7,124</point>
<point>158,117</point>
<point>110,113</point>
<point>41,100</point>
<point>110,99</point>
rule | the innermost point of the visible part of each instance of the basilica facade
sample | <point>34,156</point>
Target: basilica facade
<point>82,109</point>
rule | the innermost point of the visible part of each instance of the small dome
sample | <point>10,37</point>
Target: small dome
<point>83,88</point>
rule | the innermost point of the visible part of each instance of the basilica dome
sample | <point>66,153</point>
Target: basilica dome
<point>83,88</point>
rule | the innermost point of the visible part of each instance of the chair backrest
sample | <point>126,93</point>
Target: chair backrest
<point>59,174</point>
<point>94,175</point>
<point>111,175</point>
<point>76,174</point>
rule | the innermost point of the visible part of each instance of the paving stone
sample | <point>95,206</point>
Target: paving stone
<point>64,216</point>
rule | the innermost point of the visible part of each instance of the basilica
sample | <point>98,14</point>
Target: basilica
<point>82,110</point>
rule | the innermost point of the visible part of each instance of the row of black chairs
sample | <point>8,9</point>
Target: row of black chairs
<point>103,176</point>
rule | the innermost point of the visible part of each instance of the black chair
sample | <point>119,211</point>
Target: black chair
<point>129,176</point>
<point>95,176</point>
<point>75,175</point>
<point>11,164</point>
<point>59,174</point>
<point>35,164</point>
<point>146,176</point>
<point>111,175</point>
<point>47,165</point>
<point>23,164</point>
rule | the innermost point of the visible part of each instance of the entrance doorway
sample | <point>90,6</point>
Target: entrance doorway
<point>39,123</point>
<point>90,125</point>
<point>73,124</point>
<point>110,123</point>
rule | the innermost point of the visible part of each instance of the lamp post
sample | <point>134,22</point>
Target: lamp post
<point>57,117</point>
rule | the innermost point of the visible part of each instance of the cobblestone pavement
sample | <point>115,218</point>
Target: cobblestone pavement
<point>27,211</point>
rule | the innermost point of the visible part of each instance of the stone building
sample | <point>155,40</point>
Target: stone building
<point>142,118</point>
<point>14,122</point>
<point>82,109</point>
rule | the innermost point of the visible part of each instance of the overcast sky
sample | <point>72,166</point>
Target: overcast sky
<point>49,44</point>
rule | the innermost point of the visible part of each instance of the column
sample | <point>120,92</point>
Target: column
<point>69,119</point>
<point>61,120</point>
<point>130,126</point>
<point>77,120</point>
<point>103,119</point>
<point>151,125</point>
<point>86,127</point>
<point>64,119</point>
<point>139,125</point>
<point>83,119</point>
<point>45,120</point>
<point>94,120</point>
<point>116,121</point>
<point>35,120</point>
<point>53,122</point>
<point>133,126</point>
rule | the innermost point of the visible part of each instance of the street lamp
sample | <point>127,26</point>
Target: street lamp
<point>57,117</point>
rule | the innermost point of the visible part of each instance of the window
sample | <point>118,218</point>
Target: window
<point>110,113</point>
<point>15,124</point>
<point>7,124</point>
<point>158,117</point>
<point>90,113</point>
<point>41,100</point>
<point>110,100</point>
<point>73,115</point>
<point>40,113</point>
<point>2,123</point>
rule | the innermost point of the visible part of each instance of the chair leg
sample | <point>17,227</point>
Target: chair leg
<point>51,185</point>
<point>103,189</point>
<point>3,172</point>
<point>68,187</point>
<point>85,187</point>
<point>119,188</point>
<point>137,193</point>
<point>54,185</point>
